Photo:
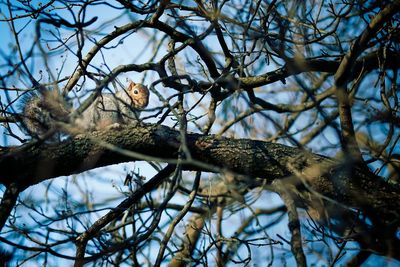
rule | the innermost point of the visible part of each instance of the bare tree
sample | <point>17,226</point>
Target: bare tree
<point>250,100</point>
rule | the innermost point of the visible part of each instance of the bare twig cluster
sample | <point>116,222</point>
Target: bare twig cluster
<point>250,100</point>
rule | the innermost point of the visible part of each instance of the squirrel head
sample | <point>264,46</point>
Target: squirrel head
<point>139,95</point>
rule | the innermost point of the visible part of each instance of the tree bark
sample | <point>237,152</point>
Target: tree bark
<point>259,162</point>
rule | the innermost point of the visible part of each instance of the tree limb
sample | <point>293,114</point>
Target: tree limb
<point>254,159</point>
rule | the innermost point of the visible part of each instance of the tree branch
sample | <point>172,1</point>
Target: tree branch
<point>8,201</point>
<point>192,234</point>
<point>251,158</point>
<point>349,142</point>
<point>286,191</point>
<point>83,239</point>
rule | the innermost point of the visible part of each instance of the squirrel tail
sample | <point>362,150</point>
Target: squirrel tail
<point>40,111</point>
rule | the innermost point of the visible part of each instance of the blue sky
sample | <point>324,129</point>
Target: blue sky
<point>104,183</point>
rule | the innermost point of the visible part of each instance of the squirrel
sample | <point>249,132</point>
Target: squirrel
<point>41,112</point>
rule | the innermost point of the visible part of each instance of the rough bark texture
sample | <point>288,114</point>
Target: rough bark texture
<point>38,163</point>
<point>254,159</point>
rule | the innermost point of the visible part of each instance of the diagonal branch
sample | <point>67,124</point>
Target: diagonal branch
<point>285,191</point>
<point>83,239</point>
<point>7,203</point>
<point>342,77</point>
<point>192,235</point>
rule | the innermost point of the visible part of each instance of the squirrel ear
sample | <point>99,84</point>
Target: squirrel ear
<point>132,84</point>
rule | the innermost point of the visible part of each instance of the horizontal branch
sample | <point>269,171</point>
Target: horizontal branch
<point>86,151</point>
<point>254,159</point>
<point>367,63</point>
<point>255,162</point>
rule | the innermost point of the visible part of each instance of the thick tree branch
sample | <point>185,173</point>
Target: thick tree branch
<point>251,158</point>
<point>7,203</point>
<point>342,77</point>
